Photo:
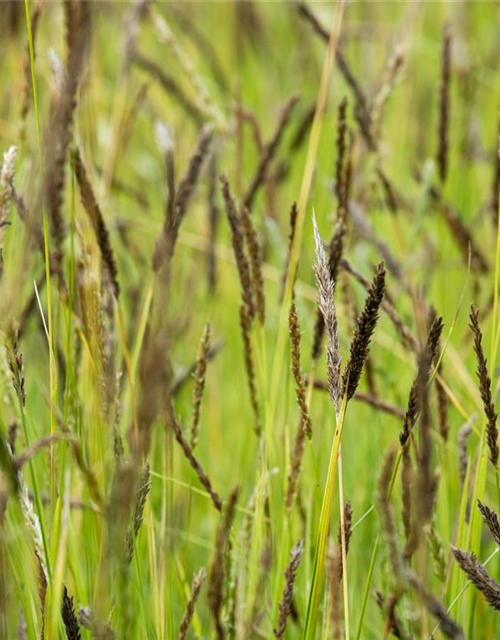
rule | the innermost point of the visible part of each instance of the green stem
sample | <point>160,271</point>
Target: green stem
<point>324,525</point>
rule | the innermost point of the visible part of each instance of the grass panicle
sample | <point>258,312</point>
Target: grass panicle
<point>255,259</point>
<point>213,220</point>
<point>407,337</point>
<point>69,617</point>
<point>199,382</point>
<point>175,212</point>
<point>15,360</point>
<point>479,577</point>
<point>444,105</point>
<point>291,235</point>
<point>141,494</point>
<point>298,375</point>
<point>463,439</point>
<point>217,574</point>
<point>170,85</point>
<point>426,480</point>
<point>485,387</point>
<point>341,145</point>
<point>393,622</point>
<point>334,569</point>
<point>285,606</point>
<point>490,519</point>
<point>59,129</point>
<point>198,581</point>
<point>346,534</point>
<point>387,516</point>
<point>248,355</point>
<point>328,310</point>
<point>268,153</point>
<point>191,458</point>
<point>425,361</point>
<point>92,209</point>
<point>447,625</point>
<point>365,326</point>
<point>237,235</point>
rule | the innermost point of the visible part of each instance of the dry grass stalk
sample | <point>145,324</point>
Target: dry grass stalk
<point>255,258</point>
<point>58,134</point>
<point>69,617</point>
<point>425,361</point>
<point>217,570</point>
<point>92,209</point>
<point>287,597</point>
<point>365,326</point>
<point>190,457</point>
<point>198,581</point>
<point>485,387</point>
<point>444,105</point>
<point>479,577</point>
<point>268,153</point>
<point>298,375</point>
<point>199,382</point>
<point>327,307</point>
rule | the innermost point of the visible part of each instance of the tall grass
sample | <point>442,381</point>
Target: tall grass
<point>213,423</point>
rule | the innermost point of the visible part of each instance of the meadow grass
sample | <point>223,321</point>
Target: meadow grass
<point>249,320</point>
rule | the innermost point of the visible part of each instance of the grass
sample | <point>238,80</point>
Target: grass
<point>135,478</point>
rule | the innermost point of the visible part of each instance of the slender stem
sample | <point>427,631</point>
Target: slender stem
<point>344,550</point>
<point>324,525</point>
<point>376,546</point>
